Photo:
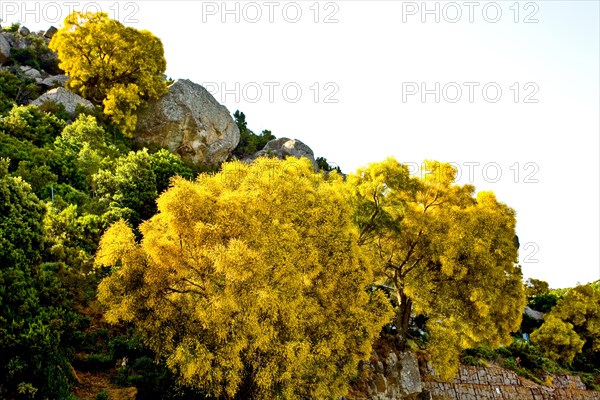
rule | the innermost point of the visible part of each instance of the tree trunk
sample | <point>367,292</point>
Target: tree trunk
<point>403,316</point>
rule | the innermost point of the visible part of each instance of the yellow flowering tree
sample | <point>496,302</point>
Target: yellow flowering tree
<point>572,326</point>
<point>557,339</point>
<point>447,255</point>
<point>249,282</point>
<point>111,64</point>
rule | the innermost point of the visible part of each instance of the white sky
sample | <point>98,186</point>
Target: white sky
<point>371,56</point>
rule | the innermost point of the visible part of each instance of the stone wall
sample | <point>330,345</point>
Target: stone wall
<point>393,375</point>
<point>478,383</point>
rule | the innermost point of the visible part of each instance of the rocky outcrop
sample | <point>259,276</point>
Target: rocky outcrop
<point>23,39</point>
<point>4,49</point>
<point>395,376</point>
<point>284,147</point>
<point>190,122</point>
<point>23,30</point>
<point>68,99</point>
<point>43,78</point>
<point>54,80</point>
<point>31,73</point>
<point>50,32</point>
<point>531,313</point>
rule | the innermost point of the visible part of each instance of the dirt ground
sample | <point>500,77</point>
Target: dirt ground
<point>90,384</point>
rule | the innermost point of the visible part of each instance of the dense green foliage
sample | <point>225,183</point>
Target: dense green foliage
<point>32,124</point>
<point>15,88</point>
<point>539,295</point>
<point>250,142</point>
<point>325,166</point>
<point>166,165</point>
<point>35,314</point>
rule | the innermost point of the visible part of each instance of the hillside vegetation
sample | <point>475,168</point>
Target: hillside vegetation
<point>127,272</point>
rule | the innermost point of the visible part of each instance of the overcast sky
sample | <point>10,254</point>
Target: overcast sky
<point>507,91</point>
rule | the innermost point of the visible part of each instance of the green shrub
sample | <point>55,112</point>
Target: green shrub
<point>142,370</point>
<point>15,88</point>
<point>127,345</point>
<point>20,150</point>
<point>531,358</point>
<point>32,124</point>
<point>590,380</point>
<point>38,176</point>
<point>166,165</point>
<point>475,355</point>
<point>13,27</point>
<point>521,357</point>
<point>64,194</point>
<point>543,302</point>
<point>129,187</point>
<point>56,109</point>
<point>588,362</point>
<point>103,395</point>
<point>511,364</point>
<point>34,52</point>
<point>467,359</point>
<point>35,316</point>
<point>250,142</point>
<point>323,165</point>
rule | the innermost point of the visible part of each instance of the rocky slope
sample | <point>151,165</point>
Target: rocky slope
<point>187,120</point>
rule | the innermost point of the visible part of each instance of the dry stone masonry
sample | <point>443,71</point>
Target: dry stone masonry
<point>396,376</point>
<point>478,383</point>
